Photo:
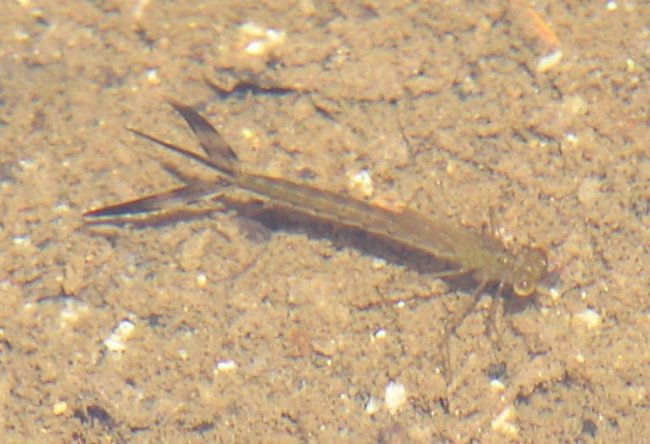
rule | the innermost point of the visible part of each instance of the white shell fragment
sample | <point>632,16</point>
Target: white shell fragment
<point>395,396</point>
<point>116,341</point>
<point>362,181</point>
<point>548,61</point>
<point>503,423</point>
<point>373,405</point>
<point>264,40</point>
<point>226,365</point>
<point>588,317</point>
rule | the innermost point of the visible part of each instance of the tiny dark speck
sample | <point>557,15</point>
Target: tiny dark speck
<point>306,174</point>
<point>589,428</point>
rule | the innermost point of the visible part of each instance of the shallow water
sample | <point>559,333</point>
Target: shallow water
<point>198,331</point>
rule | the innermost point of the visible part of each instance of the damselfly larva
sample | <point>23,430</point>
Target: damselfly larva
<point>480,255</point>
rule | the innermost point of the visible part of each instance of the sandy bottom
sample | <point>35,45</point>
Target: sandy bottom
<point>248,325</point>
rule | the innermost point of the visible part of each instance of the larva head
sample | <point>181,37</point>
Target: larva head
<point>530,267</point>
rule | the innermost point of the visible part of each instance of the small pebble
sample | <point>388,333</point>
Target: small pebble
<point>589,192</point>
<point>59,408</point>
<point>152,77</point>
<point>379,334</point>
<point>72,312</point>
<point>201,280</point>
<point>497,385</point>
<point>325,347</point>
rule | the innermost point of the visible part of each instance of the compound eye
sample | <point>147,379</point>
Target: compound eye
<point>523,288</point>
